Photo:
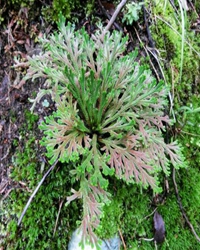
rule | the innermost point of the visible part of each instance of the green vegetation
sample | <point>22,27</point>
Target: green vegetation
<point>167,31</point>
<point>131,213</point>
<point>135,222</point>
<point>50,9</point>
<point>130,207</point>
<point>109,118</point>
<point>64,7</point>
<point>39,224</point>
<point>131,12</point>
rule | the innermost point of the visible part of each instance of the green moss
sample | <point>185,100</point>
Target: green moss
<point>37,228</point>
<point>51,10</point>
<point>60,6</point>
<point>131,214</point>
<point>178,235</point>
<point>188,180</point>
<point>187,130</point>
<point>168,41</point>
<point>126,214</point>
<point>21,3</point>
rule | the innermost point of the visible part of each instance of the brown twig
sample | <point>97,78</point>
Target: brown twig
<point>194,9</point>
<point>150,39</point>
<point>114,16</point>
<point>109,16</point>
<point>181,206</point>
<point>147,50</point>
<point>122,239</point>
<point>59,210</point>
<point>152,65</point>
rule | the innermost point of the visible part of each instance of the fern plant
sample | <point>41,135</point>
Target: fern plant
<point>109,118</point>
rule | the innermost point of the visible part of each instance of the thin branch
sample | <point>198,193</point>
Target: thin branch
<point>191,4</point>
<point>146,50</point>
<point>36,190</point>
<point>109,16</point>
<point>123,242</point>
<point>146,239</point>
<point>114,16</point>
<point>59,210</point>
<point>146,217</point>
<point>175,31</point>
<point>181,206</point>
<point>150,39</point>
<point>163,76</point>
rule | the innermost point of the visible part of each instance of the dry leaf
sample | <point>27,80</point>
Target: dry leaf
<point>159,227</point>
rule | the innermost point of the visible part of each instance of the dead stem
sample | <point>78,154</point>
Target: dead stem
<point>114,16</point>
<point>57,218</point>
<point>181,206</point>
<point>36,190</point>
<point>122,239</point>
<point>109,16</point>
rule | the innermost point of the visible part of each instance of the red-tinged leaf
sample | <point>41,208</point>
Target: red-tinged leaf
<point>130,164</point>
<point>93,200</point>
<point>174,152</point>
<point>76,195</point>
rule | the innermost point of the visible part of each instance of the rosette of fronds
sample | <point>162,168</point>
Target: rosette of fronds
<point>109,118</point>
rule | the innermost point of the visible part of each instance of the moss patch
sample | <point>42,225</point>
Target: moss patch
<point>39,222</point>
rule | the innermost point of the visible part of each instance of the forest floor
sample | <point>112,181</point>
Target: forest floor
<point>15,41</point>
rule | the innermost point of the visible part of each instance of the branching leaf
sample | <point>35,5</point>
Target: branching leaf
<point>109,116</point>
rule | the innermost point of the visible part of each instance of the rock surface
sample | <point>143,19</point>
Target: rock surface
<point>109,244</point>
